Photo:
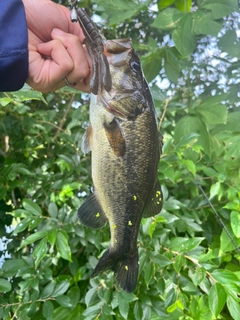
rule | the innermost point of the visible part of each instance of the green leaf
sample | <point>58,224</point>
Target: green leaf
<point>168,19</point>
<point>190,165</point>
<point>191,124</point>
<point>74,295</point>
<point>52,236</point>
<point>32,310</point>
<point>11,267</point>
<point>219,8</point>
<point>231,125</point>
<point>226,244</point>
<point>180,261</point>
<point>172,64</point>
<point>22,225</point>
<point>35,222</point>
<point>53,210</point>
<point>33,237</point>
<point>213,111</point>
<point>184,40</point>
<point>27,94</point>
<point>185,245</point>
<point>64,301</point>
<point>48,290</point>
<point>225,276</point>
<point>62,246</point>
<point>5,101</point>
<point>235,223</point>
<point>233,307</point>
<point>152,228</point>
<point>60,288</point>
<point>171,297</point>
<point>202,24</point>
<point>217,299</point>
<point>152,64</point>
<point>123,305</point>
<point>47,309</point>
<point>138,311</point>
<point>148,272</point>
<point>90,297</point>
<point>161,260</point>
<point>198,276</point>
<point>118,11</point>
<point>164,3</point>
<point>40,251</point>
<point>32,207</point>
<point>92,311</point>
<point>187,140</point>
<point>5,285</point>
<point>215,189</point>
<point>183,5</point>
<point>229,43</point>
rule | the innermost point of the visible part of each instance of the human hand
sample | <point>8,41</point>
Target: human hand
<point>55,48</point>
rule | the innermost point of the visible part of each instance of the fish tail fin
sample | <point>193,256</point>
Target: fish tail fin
<point>125,269</point>
<point>126,273</point>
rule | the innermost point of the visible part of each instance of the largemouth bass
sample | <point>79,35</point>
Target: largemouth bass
<point>126,147</point>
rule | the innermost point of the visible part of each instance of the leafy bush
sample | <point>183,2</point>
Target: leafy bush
<point>189,268</point>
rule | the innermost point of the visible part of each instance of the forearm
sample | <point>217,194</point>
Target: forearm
<point>14,45</point>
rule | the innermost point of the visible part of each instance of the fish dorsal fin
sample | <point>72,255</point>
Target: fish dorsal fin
<point>91,214</point>
<point>87,140</point>
<point>156,201</point>
<point>115,137</point>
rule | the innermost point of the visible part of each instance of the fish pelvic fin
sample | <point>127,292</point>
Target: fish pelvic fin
<point>91,214</point>
<point>155,203</point>
<point>125,269</point>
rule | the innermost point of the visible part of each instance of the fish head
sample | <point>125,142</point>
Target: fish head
<point>130,94</point>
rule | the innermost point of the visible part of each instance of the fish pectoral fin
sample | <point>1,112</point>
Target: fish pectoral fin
<point>91,214</point>
<point>155,203</point>
<point>115,137</point>
<point>87,140</point>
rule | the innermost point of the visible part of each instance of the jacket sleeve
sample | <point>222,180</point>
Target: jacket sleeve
<point>13,45</point>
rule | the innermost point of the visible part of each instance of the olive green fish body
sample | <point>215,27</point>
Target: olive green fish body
<point>125,146</point>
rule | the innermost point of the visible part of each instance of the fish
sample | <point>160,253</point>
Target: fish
<point>125,147</point>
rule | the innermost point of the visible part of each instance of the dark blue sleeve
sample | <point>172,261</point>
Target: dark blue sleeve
<point>13,45</point>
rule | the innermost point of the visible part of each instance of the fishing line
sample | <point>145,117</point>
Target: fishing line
<point>219,219</point>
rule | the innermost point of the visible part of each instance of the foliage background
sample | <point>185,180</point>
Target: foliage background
<point>189,268</point>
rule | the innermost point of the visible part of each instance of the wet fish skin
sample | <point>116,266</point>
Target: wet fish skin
<point>126,146</point>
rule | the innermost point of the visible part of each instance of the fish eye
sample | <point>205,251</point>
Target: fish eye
<point>135,65</point>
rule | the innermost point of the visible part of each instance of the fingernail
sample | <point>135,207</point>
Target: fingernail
<point>57,32</point>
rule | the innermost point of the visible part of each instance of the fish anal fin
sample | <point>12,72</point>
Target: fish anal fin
<point>91,214</point>
<point>115,137</point>
<point>155,203</point>
<point>87,140</point>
